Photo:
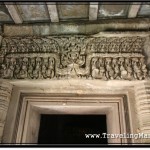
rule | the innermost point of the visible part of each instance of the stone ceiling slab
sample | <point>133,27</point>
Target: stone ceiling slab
<point>72,10</point>
<point>44,12</point>
<point>33,12</point>
<point>4,15</point>
<point>145,10</point>
<point>109,10</point>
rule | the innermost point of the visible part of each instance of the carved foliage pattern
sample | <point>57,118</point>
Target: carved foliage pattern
<point>73,57</point>
<point>115,44</point>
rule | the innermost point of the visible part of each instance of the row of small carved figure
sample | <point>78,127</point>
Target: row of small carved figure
<point>31,68</point>
<point>101,68</point>
<point>119,68</point>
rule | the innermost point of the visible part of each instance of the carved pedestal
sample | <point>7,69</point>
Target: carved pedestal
<point>5,95</point>
<point>142,93</point>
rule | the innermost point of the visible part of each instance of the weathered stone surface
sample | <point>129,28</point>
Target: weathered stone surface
<point>41,30</point>
<point>55,29</point>
<point>5,94</point>
<point>112,9</point>
<point>4,14</point>
<point>16,30</point>
<point>67,29</point>
<point>70,10</point>
<point>77,28</point>
<point>145,9</point>
<point>142,92</point>
<point>33,12</point>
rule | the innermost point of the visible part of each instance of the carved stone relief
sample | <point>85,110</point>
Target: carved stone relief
<point>105,58</point>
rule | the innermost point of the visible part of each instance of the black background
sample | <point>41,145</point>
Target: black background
<point>71,129</point>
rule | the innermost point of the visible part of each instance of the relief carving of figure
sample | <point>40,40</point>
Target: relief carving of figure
<point>98,69</point>
<point>50,69</point>
<point>109,70</point>
<point>116,68</point>
<point>36,72</point>
<point>128,69</point>
<point>136,69</point>
<point>123,71</point>
<point>24,69</point>
<point>143,68</point>
<point>43,72</point>
<point>17,68</point>
<point>7,73</point>
<point>30,71</point>
<point>94,68</point>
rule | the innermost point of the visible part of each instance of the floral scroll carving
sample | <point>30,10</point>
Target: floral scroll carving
<point>104,58</point>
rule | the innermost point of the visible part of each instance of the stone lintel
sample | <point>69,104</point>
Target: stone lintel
<point>76,28</point>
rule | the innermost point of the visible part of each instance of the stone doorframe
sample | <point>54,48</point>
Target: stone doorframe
<point>126,102</point>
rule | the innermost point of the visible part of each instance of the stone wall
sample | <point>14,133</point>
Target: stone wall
<point>142,92</point>
<point>5,96</point>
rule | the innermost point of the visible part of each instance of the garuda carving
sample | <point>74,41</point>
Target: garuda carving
<point>104,58</point>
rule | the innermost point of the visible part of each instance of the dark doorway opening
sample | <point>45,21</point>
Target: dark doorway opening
<point>71,129</point>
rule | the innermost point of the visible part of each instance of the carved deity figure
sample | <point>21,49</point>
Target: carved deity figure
<point>4,72</point>
<point>36,72</point>
<point>98,69</point>
<point>23,72</point>
<point>136,68</point>
<point>116,68</point>
<point>109,70</point>
<point>143,68</point>
<point>7,73</point>
<point>43,72</point>
<point>94,68</point>
<point>45,47</point>
<point>16,71</point>
<point>128,68</point>
<point>21,47</point>
<point>123,71</point>
<point>13,47</point>
<point>30,71</point>
<point>24,69</point>
<point>50,69</point>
